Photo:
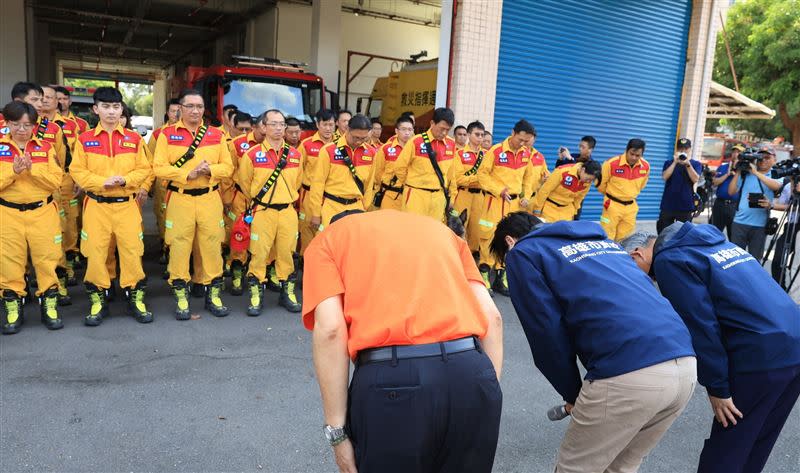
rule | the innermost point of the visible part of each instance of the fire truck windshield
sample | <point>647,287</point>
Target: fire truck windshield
<point>254,95</point>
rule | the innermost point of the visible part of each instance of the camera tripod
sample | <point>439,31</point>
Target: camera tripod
<point>788,227</point>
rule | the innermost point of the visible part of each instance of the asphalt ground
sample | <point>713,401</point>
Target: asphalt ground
<point>239,394</point>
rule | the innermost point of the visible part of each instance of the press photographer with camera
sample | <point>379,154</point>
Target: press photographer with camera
<point>725,204</point>
<point>756,192</point>
<point>681,173</point>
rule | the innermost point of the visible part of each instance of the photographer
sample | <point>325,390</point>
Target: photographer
<point>681,173</point>
<point>586,146</point>
<point>725,204</point>
<point>750,179</point>
<point>789,232</point>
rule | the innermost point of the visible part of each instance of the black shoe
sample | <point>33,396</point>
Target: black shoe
<point>273,284</point>
<point>63,295</point>
<point>181,293</point>
<point>12,313</point>
<point>500,285</point>
<point>288,298</point>
<point>256,292</point>
<point>237,278</point>
<point>198,290</point>
<point>214,300</point>
<point>136,306</point>
<point>484,269</point>
<point>111,292</point>
<point>98,308</point>
<point>48,306</point>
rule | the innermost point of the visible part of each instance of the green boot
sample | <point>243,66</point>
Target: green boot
<point>63,295</point>
<point>98,308</point>
<point>484,269</point>
<point>12,313</point>
<point>273,283</point>
<point>214,299</point>
<point>181,293</point>
<point>256,303</point>
<point>500,285</point>
<point>237,278</point>
<point>48,305</point>
<point>136,306</point>
<point>288,298</point>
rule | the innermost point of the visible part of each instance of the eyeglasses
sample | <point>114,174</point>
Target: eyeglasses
<point>193,107</point>
<point>20,126</point>
<point>277,124</point>
<point>406,129</point>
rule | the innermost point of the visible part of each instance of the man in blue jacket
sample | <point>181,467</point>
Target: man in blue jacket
<point>746,333</point>
<point>638,354</point>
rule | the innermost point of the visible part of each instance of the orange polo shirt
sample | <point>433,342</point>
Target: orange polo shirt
<point>426,299</point>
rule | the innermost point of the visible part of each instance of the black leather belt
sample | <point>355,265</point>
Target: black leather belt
<point>619,201</point>
<point>424,189</point>
<point>470,190</point>
<point>192,192</point>
<point>27,206</point>
<point>272,206</point>
<point>403,352</point>
<point>387,187</point>
<point>340,200</point>
<point>109,200</point>
<point>726,201</point>
<point>555,203</point>
<point>305,187</point>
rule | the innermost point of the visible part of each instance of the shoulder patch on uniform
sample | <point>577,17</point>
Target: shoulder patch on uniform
<point>5,130</point>
<point>245,145</point>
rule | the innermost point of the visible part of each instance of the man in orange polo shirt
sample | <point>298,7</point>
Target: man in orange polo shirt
<point>623,178</point>
<point>427,367</point>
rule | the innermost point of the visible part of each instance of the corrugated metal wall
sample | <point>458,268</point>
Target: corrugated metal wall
<point>612,69</point>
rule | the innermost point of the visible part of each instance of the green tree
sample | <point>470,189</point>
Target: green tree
<point>764,37</point>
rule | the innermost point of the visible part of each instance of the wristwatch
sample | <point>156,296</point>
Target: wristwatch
<point>335,435</point>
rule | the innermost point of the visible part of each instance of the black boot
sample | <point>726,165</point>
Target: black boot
<point>288,298</point>
<point>136,306</point>
<point>273,284</point>
<point>12,312</point>
<point>485,272</point>
<point>163,258</point>
<point>75,257</point>
<point>256,292</point>
<point>198,290</point>
<point>237,278</point>
<point>111,292</point>
<point>98,308</point>
<point>214,298</point>
<point>48,305</point>
<point>500,285</point>
<point>181,293</point>
<point>70,272</point>
<point>63,295</point>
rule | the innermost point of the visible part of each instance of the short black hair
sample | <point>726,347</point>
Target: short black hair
<point>376,120</point>
<point>516,225</point>
<point>407,113</point>
<point>174,101</point>
<point>272,110</point>
<point>459,127</point>
<point>589,140</point>
<point>403,119</point>
<point>107,95</point>
<point>187,92</point>
<point>635,143</point>
<point>229,106</point>
<point>292,121</point>
<point>324,114</point>
<point>474,125</point>
<point>487,132</point>
<point>126,112</point>
<point>62,90</point>
<point>343,111</point>
<point>523,126</point>
<point>22,89</point>
<point>594,168</point>
<point>443,113</point>
<point>15,110</point>
<point>241,117</point>
<point>360,122</point>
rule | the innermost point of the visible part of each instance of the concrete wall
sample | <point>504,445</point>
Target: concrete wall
<point>13,38</point>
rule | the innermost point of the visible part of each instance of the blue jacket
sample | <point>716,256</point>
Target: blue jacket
<point>578,293</point>
<point>739,317</point>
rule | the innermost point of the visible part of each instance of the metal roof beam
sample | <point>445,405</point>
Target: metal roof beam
<point>141,10</point>
<point>123,19</point>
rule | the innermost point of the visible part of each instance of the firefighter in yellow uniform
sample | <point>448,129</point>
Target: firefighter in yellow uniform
<point>624,177</point>
<point>539,164</point>
<point>110,164</point>
<point>159,186</point>
<point>562,194</point>
<point>470,195</point>
<point>64,98</point>
<point>424,192</point>
<point>195,158</point>
<point>29,174</point>
<point>388,194</point>
<point>506,178</point>
<point>343,179</point>
<point>309,150</point>
<point>270,176</point>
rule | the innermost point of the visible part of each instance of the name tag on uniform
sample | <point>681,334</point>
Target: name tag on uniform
<point>366,158</point>
<point>49,135</point>
<point>619,171</point>
<point>40,154</point>
<point>642,172</point>
<point>128,144</point>
<point>448,152</point>
<point>525,160</point>
<point>175,138</point>
<point>294,160</point>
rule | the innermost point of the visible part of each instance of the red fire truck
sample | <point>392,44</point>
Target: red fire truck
<point>255,85</point>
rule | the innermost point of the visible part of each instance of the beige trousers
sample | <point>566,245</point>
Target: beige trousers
<point>617,421</point>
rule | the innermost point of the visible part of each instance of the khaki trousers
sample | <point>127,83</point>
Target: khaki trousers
<point>617,421</point>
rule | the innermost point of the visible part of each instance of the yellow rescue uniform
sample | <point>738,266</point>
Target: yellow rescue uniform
<point>386,177</point>
<point>275,223</point>
<point>503,169</point>
<point>470,195</point>
<point>234,198</point>
<point>620,186</point>
<point>69,201</point>
<point>111,212</point>
<point>333,189</point>
<point>160,187</point>
<point>422,191</point>
<point>561,195</point>
<point>309,151</point>
<point>194,207</point>
<point>539,173</point>
<point>29,216</point>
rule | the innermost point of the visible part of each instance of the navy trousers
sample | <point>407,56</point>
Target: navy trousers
<point>435,414</point>
<point>765,400</point>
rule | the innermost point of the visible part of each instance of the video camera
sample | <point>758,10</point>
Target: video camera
<point>786,168</point>
<point>749,156</point>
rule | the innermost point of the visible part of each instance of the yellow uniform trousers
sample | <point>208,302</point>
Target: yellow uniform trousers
<point>424,202</point>
<point>331,208</point>
<point>553,213</point>
<point>237,206</point>
<point>618,220</point>
<point>39,230</point>
<point>494,209</point>
<point>307,233</point>
<point>121,221</point>
<point>160,204</point>
<point>70,205</point>
<point>273,229</point>
<point>471,200</point>
<point>189,219</point>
